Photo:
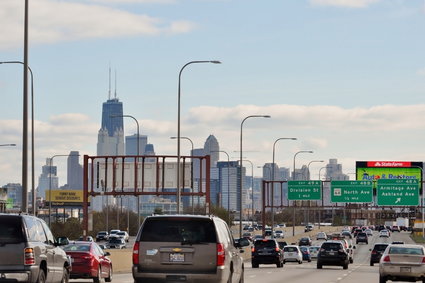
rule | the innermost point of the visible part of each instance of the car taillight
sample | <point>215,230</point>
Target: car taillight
<point>253,249</point>
<point>277,249</point>
<point>374,252</point>
<point>136,253</point>
<point>386,258</point>
<point>423,260</point>
<point>29,256</point>
<point>221,256</point>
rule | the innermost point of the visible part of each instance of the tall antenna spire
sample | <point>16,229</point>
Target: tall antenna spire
<point>115,83</point>
<point>109,92</point>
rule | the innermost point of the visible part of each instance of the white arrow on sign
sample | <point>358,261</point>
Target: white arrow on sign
<point>398,200</point>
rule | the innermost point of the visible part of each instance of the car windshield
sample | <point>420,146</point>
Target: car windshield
<point>314,249</point>
<point>121,233</point>
<point>115,241</point>
<point>182,229</point>
<point>405,251</point>
<point>331,246</point>
<point>101,233</point>
<point>380,248</point>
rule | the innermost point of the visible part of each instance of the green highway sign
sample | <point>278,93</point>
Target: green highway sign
<point>304,190</point>
<point>352,191</point>
<point>398,192</point>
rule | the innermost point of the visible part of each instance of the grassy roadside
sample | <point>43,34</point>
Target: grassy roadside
<point>418,238</point>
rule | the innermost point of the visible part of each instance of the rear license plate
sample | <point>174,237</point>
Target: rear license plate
<point>331,253</point>
<point>405,269</point>
<point>290,254</point>
<point>177,257</point>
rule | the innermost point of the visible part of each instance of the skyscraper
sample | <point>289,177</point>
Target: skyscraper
<point>48,179</point>
<point>211,148</point>
<point>110,139</point>
<point>74,171</point>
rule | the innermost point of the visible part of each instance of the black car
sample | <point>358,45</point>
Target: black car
<point>376,252</point>
<point>305,241</point>
<point>362,238</point>
<point>266,251</point>
<point>332,253</point>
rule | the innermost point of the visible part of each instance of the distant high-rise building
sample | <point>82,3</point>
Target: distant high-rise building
<point>14,192</point>
<point>48,179</point>
<point>131,144</point>
<point>334,170</point>
<point>74,171</point>
<point>211,148</point>
<point>110,139</point>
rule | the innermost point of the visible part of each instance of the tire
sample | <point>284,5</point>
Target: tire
<point>41,277</point>
<point>345,266</point>
<point>109,278</point>
<point>371,263</point>
<point>65,277</point>
<point>284,261</point>
<point>254,265</point>
<point>300,262</point>
<point>382,279</point>
<point>319,266</point>
<point>351,260</point>
<point>98,278</point>
<point>309,260</point>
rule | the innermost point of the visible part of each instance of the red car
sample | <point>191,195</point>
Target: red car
<point>89,261</point>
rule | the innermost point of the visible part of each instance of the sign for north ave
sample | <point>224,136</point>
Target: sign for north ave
<point>397,192</point>
<point>352,191</point>
<point>304,190</point>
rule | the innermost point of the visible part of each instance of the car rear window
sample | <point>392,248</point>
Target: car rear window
<point>290,249</point>
<point>331,246</point>
<point>406,251</point>
<point>189,230</point>
<point>76,248</point>
<point>11,230</point>
<point>265,244</point>
<point>380,248</point>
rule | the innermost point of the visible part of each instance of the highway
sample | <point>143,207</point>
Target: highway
<point>358,272</point>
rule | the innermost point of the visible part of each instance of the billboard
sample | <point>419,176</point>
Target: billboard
<point>375,170</point>
<point>65,197</point>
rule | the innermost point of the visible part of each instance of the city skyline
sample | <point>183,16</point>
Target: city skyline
<point>345,77</point>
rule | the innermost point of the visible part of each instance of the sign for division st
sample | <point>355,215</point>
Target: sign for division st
<point>304,190</point>
<point>351,191</point>
<point>398,192</point>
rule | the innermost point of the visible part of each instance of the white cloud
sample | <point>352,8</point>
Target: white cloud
<point>134,1</point>
<point>345,3</point>
<point>56,21</point>
<point>387,132</point>
<point>421,72</point>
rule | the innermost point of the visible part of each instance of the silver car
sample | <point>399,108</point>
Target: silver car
<point>187,248</point>
<point>402,263</point>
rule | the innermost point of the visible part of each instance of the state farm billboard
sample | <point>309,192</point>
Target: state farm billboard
<point>374,170</point>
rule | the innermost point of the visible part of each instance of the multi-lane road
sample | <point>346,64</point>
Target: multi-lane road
<point>358,272</point>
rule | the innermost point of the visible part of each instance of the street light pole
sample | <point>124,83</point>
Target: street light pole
<point>240,173</point>
<point>138,153</point>
<point>191,169</point>
<point>252,189</point>
<point>293,178</point>
<point>178,126</point>
<point>32,133</point>
<point>273,179</point>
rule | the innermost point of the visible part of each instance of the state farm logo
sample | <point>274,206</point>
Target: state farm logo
<point>388,164</point>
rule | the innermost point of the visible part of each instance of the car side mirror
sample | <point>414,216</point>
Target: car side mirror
<point>354,247</point>
<point>107,254</point>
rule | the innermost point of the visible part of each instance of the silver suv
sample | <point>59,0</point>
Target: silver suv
<point>29,252</point>
<point>187,248</point>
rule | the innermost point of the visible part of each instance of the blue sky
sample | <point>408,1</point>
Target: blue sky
<point>346,77</point>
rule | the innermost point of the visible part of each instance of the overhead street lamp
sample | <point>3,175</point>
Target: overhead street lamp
<point>25,140</point>
<point>293,178</point>
<point>240,164</point>
<point>178,126</point>
<point>50,183</point>
<point>273,170</point>
<point>8,144</point>
<point>320,170</point>
<point>191,169</point>
<point>138,153</point>
<point>308,166</point>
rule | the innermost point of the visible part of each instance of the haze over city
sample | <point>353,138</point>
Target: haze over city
<point>345,77</point>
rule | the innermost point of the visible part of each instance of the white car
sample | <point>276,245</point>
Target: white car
<point>402,262</point>
<point>292,253</point>
<point>314,251</point>
<point>278,234</point>
<point>124,235</point>
<point>384,233</point>
<point>113,233</point>
<point>368,232</point>
<point>321,236</point>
